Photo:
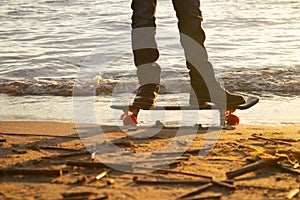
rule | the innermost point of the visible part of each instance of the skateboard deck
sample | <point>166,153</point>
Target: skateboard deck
<point>131,112</point>
<point>251,101</point>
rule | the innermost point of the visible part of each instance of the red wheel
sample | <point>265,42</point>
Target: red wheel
<point>232,119</point>
<point>128,120</point>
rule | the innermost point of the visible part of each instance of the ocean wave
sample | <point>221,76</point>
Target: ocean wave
<point>51,87</point>
<point>278,82</point>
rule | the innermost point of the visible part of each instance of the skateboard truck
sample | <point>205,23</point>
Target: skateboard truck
<point>129,118</point>
<point>231,119</point>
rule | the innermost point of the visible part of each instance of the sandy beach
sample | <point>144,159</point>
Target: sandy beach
<point>68,61</point>
<point>47,160</point>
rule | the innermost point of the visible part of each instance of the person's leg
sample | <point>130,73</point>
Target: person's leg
<point>145,52</point>
<point>192,37</point>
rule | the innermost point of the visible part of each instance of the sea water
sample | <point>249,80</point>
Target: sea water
<point>49,48</point>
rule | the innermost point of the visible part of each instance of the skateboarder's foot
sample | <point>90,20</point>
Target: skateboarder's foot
<point>231,99</point>
<point>146,96</point>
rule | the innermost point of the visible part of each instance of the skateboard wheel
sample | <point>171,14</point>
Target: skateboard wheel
<point>128,120</point>
<point>122,116</point>
<point>232,119</point>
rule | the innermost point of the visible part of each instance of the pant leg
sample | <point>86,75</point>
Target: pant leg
<point>190,19</point>
<point>192,39</point>
<point>144,45</point>
<point>192,36</point>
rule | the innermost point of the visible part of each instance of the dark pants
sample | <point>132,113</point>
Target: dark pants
<point>189,23</point>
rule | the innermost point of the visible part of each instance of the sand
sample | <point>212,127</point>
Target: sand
<point>51,145</point>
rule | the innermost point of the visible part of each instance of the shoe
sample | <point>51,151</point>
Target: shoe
<point>218,95</point>
<point>146,96</point>
<point>201,98</point>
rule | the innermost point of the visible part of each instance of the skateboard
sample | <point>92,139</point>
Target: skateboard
<point>130,115</point>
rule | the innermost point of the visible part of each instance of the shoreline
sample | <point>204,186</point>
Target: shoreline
<point>45,108</point>
<point>51,145</point>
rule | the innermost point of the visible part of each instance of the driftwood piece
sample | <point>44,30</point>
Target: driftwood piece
<point>57,148</point>
<point>252,160</point>
<point>286,139</point>
<point>206,197</point>
<point>224,184</point>
<point>77,194</point>
<point>101,175</point>
<point>171,164</point>
<point>271,140</point>
<point>110,181</point>
<point>244,186</point>
<point>193,151</point>
<point>198,191</point>
<point>293,193</point>
<point>171,182</point>
<point>72,154</point>
<point>167,171</point>
<point>80,153</point>
<point>184,173</point>
<point>35,172</point>
<point>125,143</point>
<point>38,135</point>
<point>251,167</point>
<point>163,160</point>
<point>289,170</point>
<point>89,164</point>
<point>19,151</point>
